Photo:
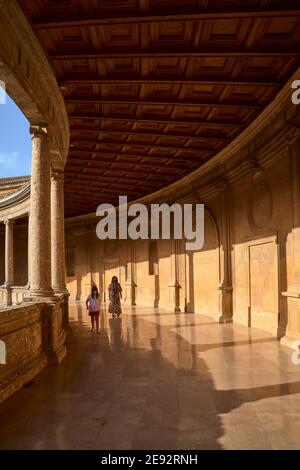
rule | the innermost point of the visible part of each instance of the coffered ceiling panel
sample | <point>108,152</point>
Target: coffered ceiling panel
<point>156,88</point>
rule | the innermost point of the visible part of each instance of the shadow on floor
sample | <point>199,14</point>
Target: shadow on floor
<point>138,385</point>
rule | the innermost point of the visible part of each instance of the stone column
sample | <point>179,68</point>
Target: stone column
<point>58,232</point>
<point>129,282</point>
<point>292,329</point>
<point>28,255</point>
<point>225,287</point>
<point>9,253</point>
<point>40,217</point>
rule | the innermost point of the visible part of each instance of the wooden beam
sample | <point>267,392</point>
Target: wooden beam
<point>133,179</point>
<point>159,18</point>
<point>108,190</point>
<point>158,121</point>
<point>193,103</point>
<point>147,134</point>
<point>144,54</point>
<point>195,81</point>
<point>142,146</point>
<point>73,158</point>
<point>137,171</point>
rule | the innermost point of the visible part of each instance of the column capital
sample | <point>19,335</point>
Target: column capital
<point>9,222</point>
<point>255,168</point>
<point>38,131</point>
<point>57,174</point>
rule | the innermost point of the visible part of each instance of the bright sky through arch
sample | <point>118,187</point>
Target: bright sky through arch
<point>15,141</point>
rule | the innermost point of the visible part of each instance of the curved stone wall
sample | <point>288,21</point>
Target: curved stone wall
<point>247,270</point>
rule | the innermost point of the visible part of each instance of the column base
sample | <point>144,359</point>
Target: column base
<point>40,295</point>
<point>225,304</point>
<point>289,339</point>
<point>62,291</point>
<point>224,319</point>
<point>174,295</point>
<point>292,329</point>
<point>8,284</point>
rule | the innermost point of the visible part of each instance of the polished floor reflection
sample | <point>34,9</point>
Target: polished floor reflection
<point>159,380</point>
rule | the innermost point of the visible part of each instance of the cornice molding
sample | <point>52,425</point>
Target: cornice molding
<point>15,197</point>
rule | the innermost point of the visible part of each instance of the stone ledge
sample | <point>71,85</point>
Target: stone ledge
<point>21,376</point>
<point>34,337</point>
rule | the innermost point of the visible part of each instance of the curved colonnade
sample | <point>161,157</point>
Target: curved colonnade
<point>33,331</point>
<point>247,271</point>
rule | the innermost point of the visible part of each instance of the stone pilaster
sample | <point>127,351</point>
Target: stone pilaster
<point>40,217</point>
<point>9,252</point>
<point>174,284</point>
<point>292,331</point>
<point>130,275</point>
<point>225,287</point>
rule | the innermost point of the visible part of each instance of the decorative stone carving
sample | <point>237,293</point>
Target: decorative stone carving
<point>222,184</point>
<point>256,169</point>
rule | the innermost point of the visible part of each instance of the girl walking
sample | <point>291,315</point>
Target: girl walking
<point>115,295</point>
<point>93,306</point>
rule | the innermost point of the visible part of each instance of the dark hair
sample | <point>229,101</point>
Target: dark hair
<point>115,278</point>
<point>94,288</point>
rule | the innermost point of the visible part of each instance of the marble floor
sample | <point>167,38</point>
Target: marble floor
<point>159,380</point>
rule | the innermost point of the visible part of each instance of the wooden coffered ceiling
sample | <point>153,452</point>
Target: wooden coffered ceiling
<point>155,88</point>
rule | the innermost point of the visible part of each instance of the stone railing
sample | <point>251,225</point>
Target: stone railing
<point>32,336</point>
<point>12,295</point>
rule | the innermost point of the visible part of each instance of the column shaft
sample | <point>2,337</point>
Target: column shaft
<point>9,253</point>
<point>40,217</point>
<point>58,232</point>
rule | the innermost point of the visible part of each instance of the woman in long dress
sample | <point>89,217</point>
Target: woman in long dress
<point>115,295</point>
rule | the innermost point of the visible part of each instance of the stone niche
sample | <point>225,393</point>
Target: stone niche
<point>260,207</point>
